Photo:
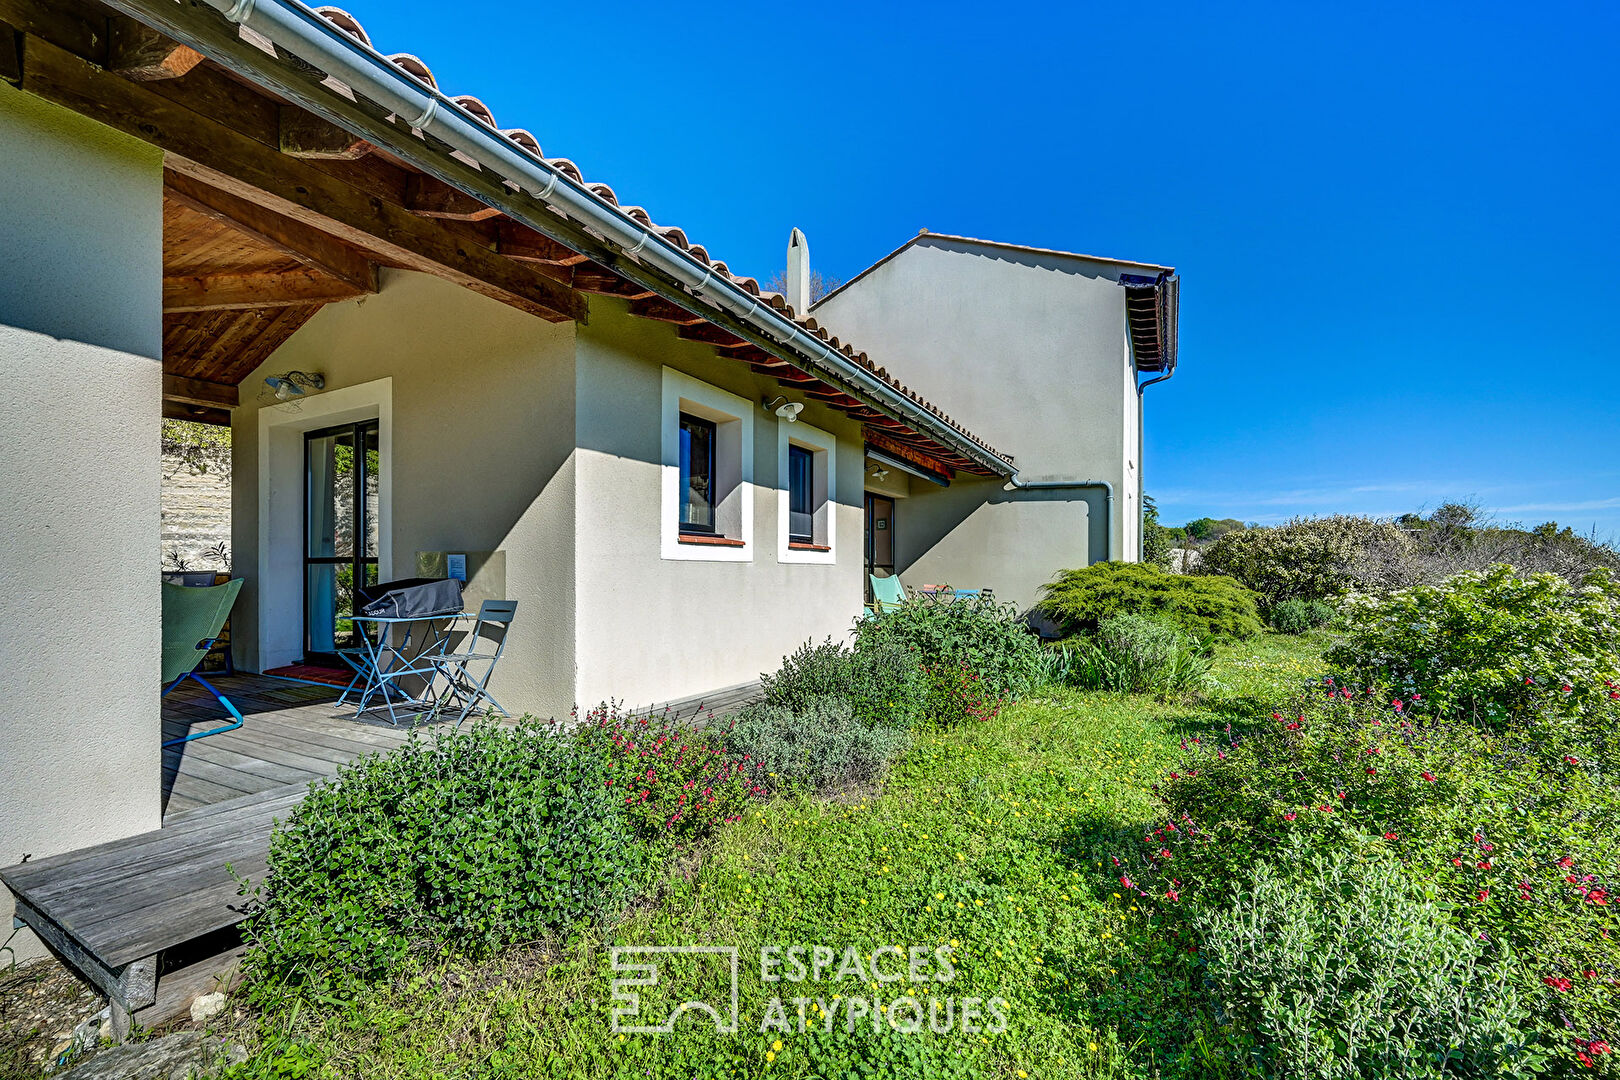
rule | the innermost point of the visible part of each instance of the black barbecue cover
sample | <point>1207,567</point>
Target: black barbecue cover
<point>411,598</point>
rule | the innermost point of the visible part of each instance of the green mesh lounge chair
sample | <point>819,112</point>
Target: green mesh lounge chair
<point>192,619</point>
<point>887,590</point>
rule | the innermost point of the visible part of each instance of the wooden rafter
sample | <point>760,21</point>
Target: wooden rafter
<point>662,310</point>
<point>302,134</point>
<point>136,51</point>
<point>224,292</point>
<point>312,247</point>
<point>199,392</point>
<point>210,151</point>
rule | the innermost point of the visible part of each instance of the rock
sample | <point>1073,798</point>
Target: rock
<point>207,1005</point>
<point>181,1056</point>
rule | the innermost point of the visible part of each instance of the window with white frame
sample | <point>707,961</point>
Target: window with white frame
<point>708,449</point>
<point>806,465</point>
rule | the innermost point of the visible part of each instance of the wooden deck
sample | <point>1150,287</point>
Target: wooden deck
<point>150,919</point>
<point>294,733</point>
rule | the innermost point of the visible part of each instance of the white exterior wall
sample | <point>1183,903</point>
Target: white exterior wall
<point>1030,352</point>
<point>80,337</point>
<point>652,628</point>
<point>477,407</point>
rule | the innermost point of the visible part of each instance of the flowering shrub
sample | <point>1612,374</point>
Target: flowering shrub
<point>958,695</point>
<point>463,844</point>
<point>1491,645</point>
<point>1203,606</point>
<point>992,640</point>
<point>1305,559</point>
<point>1514,841</point>
<point>672,778</point>
<point>1339,969</point>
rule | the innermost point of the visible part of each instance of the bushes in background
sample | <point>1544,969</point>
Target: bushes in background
<point>1305,559</point>
<point>464,843</point>
<point>1295,616</point>
<point>881,680</point>
<point>1490,645</point>
<point>1203,606</point>
<point>991,640</point>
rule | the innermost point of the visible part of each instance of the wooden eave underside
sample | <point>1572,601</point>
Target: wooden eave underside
<point>270,213</point>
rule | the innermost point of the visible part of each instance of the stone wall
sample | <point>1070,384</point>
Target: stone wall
<point>196,513</point>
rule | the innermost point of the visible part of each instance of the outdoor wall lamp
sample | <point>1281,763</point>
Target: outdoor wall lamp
<point>291,384</point>
<point>787,410</point>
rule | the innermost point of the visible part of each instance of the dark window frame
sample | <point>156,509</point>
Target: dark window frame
<point>357,559</point>
<point>697,527</point>
<point>808,456</point>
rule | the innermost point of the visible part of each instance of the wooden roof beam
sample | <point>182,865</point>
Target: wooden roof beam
<point>517,241</point>
<point>664,311</point>
<point>302,134</point>
<point>432,197</point>
<point>225,292</point>
<point>198,392</point>
<point>710,333</point>
<point>136,51</point>
<point>316,249</point>
<point>208,149</point>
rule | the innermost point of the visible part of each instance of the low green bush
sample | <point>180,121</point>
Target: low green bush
<point>956,694</point>
<point>1336,968</point>
<point>1201,605</point>
<point>1295,616</point>
<point>1509,833</point>
<point>460,844</point>
<point>1136,654</point>
<point>993,641</point>
<point>1304,559</point>
<point>820,747</point>
<point>1491,645</point>
<point>880,679</point>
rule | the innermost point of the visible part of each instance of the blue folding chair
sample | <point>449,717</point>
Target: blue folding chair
<point>192,620</point>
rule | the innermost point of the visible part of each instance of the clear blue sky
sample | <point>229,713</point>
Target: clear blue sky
<point>1394,226</point>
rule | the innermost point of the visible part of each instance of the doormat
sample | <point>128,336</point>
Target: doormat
<point>310,673</point>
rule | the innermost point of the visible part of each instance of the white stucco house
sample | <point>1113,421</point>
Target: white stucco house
<point>498,358</point>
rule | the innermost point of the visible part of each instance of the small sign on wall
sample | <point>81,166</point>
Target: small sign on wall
<point>456,565</point>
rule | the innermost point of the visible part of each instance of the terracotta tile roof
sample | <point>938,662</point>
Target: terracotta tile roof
<point>417,69</point>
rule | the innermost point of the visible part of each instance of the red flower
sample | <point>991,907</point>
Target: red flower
<point>1559,984</point>
<point>1566,862</point>
<point>1484,895</point>
<point>1566,688</point>
<point>1290,816</point>
<point>1172,895</point>
<point>1390,836</point>
<point>1429,776</point>
<point>1573,760</point>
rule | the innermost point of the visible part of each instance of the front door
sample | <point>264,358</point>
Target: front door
<point>340,529</point>
<point>879,537</point>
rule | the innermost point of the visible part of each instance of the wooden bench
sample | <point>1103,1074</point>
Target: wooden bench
<point>111,910</point>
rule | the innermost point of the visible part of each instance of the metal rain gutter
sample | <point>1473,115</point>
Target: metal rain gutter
<point>1107,487</point>
<point>364,70</point>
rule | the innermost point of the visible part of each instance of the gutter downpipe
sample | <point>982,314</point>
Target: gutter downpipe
<point>1064,485</point>
<point>364,70</point>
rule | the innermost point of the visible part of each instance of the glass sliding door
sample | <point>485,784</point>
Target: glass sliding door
<point>340,529</point>
<point>879,537</point>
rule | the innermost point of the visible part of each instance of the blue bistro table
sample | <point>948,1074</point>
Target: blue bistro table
<point>381,662</point>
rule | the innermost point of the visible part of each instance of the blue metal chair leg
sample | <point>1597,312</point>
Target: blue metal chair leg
<point>219,697</point>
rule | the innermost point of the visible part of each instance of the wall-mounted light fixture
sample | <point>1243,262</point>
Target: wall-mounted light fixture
<point>879,473</point>
<point>292,384</point>
<point>787,410</point>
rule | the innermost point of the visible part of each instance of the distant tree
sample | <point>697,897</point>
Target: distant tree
<point>820,284</point>
<point>1206,530</point>
<point>1157,539</point>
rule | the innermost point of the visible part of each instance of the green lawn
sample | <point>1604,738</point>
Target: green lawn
<point>990,843</point>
